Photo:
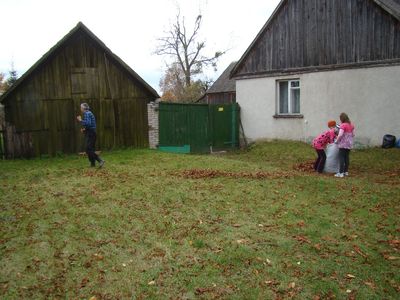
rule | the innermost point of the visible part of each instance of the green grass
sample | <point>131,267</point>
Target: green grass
<point>139,230</point>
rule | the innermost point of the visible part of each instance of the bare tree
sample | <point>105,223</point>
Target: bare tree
<point>2,83</point>
<point>186,49</point>
<point>173,88</point>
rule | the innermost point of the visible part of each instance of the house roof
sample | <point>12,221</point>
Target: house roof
<point>224,83</point>
<point>390,6</point>
<point>79,27</point>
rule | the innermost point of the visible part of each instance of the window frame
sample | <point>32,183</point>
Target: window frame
<point>290,112</point>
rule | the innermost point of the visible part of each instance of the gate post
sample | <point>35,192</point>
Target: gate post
<point>152,117</point>
<point>234,124</point>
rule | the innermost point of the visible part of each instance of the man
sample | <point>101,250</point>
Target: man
<point>89,129</point>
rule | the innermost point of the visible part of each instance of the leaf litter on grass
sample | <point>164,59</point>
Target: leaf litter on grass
<point>305,226</point>
<point>208,173</point>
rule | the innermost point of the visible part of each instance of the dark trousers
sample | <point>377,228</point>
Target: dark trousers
<point>344,160</point>
<point>90,142</point>
<point>320,162</point>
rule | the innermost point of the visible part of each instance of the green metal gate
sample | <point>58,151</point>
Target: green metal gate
<point>198,128</point>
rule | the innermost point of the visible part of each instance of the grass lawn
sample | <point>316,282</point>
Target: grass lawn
<point>151,225</point>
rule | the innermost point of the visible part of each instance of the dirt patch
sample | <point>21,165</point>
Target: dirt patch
<point>206,173</point>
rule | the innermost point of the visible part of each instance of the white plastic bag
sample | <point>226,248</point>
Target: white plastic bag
<point>332,159</point>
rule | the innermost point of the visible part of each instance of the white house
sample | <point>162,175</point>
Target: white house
<point>313,60</point>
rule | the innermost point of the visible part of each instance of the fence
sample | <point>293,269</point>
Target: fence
<point>2,151</point>
<point>198,128</point>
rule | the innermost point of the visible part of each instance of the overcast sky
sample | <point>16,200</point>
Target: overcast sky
<point>130,28</point>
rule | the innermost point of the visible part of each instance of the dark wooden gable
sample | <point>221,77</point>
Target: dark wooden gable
<point>323,34</point>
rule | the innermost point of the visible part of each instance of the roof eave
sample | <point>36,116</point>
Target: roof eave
<point>391,7</point>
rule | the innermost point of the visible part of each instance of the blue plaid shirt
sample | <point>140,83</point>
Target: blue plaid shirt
<point>88,120</point>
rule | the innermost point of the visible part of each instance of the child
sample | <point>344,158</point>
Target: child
<point>319,144</point>
<point>345,143</point>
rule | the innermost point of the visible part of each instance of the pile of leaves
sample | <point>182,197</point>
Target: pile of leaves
<point>307,166</point>
<point>208,173</point>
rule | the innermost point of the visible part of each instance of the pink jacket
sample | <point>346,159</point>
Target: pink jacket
<point>320,142</point>
<point>346,135</point>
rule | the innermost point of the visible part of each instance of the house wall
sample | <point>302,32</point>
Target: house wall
<point>370,96</point>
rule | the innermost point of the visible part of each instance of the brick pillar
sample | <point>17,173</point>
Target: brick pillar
<point>152,117</point>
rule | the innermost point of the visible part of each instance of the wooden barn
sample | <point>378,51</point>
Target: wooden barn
<point>41,107</point>
<point>313,60</point>
<point>223,91</point>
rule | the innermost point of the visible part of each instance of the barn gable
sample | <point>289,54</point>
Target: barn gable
<point>41,107</point>
<point>304,35</point>
<point>75,36</point>
<point>224,88</point>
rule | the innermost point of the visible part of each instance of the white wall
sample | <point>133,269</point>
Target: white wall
<point>370,96</point>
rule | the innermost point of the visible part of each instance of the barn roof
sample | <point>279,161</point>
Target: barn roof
<point>224,83</point>
<point>390,6</point>
<point>79,27</point>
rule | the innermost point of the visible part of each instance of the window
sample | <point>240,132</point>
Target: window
<point>85,81</point>
<point>288,97</point>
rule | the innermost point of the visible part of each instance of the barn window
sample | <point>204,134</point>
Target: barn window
<point>85,81</point>
<point>288,97</point>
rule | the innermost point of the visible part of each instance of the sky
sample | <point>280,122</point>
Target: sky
<point>130,28</point>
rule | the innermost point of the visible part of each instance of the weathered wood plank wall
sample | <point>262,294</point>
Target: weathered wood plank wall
<point>221,98</point>
<point>45,105</point>
<point>312,33</point>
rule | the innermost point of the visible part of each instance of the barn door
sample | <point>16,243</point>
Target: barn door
<point>60,124</point>
<point>84,88</point>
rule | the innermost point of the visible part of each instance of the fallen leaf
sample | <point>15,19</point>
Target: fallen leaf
<point>358,250</point>
<point>301,224</point>
<point>271,282</point>
<point>152,282</point>
<point>370,284</point>
<point>389,257</point>
<point>236,225</point>
<point>84,282</point>
<point>395,244</point>
<point>302,239</point>
<point>200,291</point>
<point>350,276</point>
<point>98,256</point>
<point>241,241</point>
<point>292,285</point>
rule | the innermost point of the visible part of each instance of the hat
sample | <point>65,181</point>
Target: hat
<point>331,123</point>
